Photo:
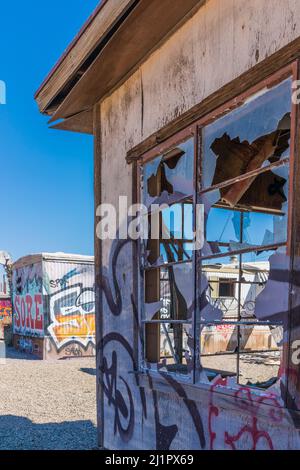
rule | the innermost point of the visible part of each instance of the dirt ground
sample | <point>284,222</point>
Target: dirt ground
<point>253,368</point>
<point>47,405</point>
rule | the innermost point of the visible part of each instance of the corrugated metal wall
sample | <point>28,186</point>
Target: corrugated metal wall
<point>54,308</point>
<point>68,289</point>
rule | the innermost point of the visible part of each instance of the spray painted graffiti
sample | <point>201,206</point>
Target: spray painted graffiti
<point>29,313</point>
<point>5,309</point>
<point>72,314</point>
<point>28,301</point>
<point>242,419</point>
<point>118,390</point>
<point>54,307</point>
<point>71,307</point>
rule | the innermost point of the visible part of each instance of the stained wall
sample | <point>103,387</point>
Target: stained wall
<point>220,42</point>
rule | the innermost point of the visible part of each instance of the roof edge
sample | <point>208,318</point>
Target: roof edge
<point>71,46</point>
<point>80,53</point>
<point>59,256</point>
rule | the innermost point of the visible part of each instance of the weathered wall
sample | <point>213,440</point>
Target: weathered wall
<point>223,40</point>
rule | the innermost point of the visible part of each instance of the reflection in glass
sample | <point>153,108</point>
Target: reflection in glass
<point>250,137</point>
<point>169,177</point>
<point>174,240</point>
<point>265,288</point>
<point>169,293</point>
<point>246,292</point>
<point>259,218</point>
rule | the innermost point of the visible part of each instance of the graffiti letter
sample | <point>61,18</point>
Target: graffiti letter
<point>23,313</point>
<point>17,311</point>
<point>38,315</point>
<point>29,319</point>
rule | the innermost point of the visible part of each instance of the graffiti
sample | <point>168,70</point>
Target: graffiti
<point>25,344</point>
<point>165,435</point>
<point>72,315</point>
<point>54,301</point>
<point>116,398</point>
<point>113,391</point>
<point>191,406</point>
<point>250,435</point>
<point>256,414</point>
<point>63,282</point>
<point>5,309</point>
<point>255,434</point>
<point>28,301</point>
<point>115,305</point>
<point>29,314</point>
<point>74,350</point>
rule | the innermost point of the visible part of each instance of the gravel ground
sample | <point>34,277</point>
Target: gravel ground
<point>47,405</point>
<point>254,368</point>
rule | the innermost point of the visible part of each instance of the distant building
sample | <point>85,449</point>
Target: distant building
<point>54,305</point>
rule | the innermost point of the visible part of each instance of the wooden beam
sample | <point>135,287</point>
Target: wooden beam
<point>104,18</point>
<point>98,274</point>
<point>82,122</point>
<point>145,27</point>
<point>259,72</point>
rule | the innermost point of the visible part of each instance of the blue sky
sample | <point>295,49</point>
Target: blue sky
<point>46,175</point>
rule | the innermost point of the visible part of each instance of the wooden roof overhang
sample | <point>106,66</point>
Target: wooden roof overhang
<point>116,39</point>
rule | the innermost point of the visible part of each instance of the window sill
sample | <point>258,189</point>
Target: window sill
<point>169,383</point>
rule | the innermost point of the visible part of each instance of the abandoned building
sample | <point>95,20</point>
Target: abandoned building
<point>5,311</point>
<point>193,103</point>
<point>54,305</point>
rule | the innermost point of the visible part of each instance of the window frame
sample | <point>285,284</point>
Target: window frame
<point>194,131</point>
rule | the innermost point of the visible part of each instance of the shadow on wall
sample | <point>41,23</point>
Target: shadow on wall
<point>18,433</point>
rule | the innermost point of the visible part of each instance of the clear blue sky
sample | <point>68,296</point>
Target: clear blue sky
<point>46,175</point>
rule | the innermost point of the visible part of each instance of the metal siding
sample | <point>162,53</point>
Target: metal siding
<point>62,291</point>
<point>28,317</point>
<point>69,299</point>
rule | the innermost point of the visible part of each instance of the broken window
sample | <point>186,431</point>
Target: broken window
<point>251,137</point>
<point>169,177</point>
<point>168,270</point>
<point>173,240</point>
<point>245,192</point>
<point>221,310</point>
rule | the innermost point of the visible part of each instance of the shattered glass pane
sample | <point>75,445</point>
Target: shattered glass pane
<point>265,287</point>
<point>169,178</point>
<point>172,239</point>
<point>258,216</point>
<point>260,355</point>
<point>169,293</point>
<point>169,348</point>
<point>250,137</point>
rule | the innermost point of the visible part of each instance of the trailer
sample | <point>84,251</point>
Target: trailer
<point>54,305</point>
